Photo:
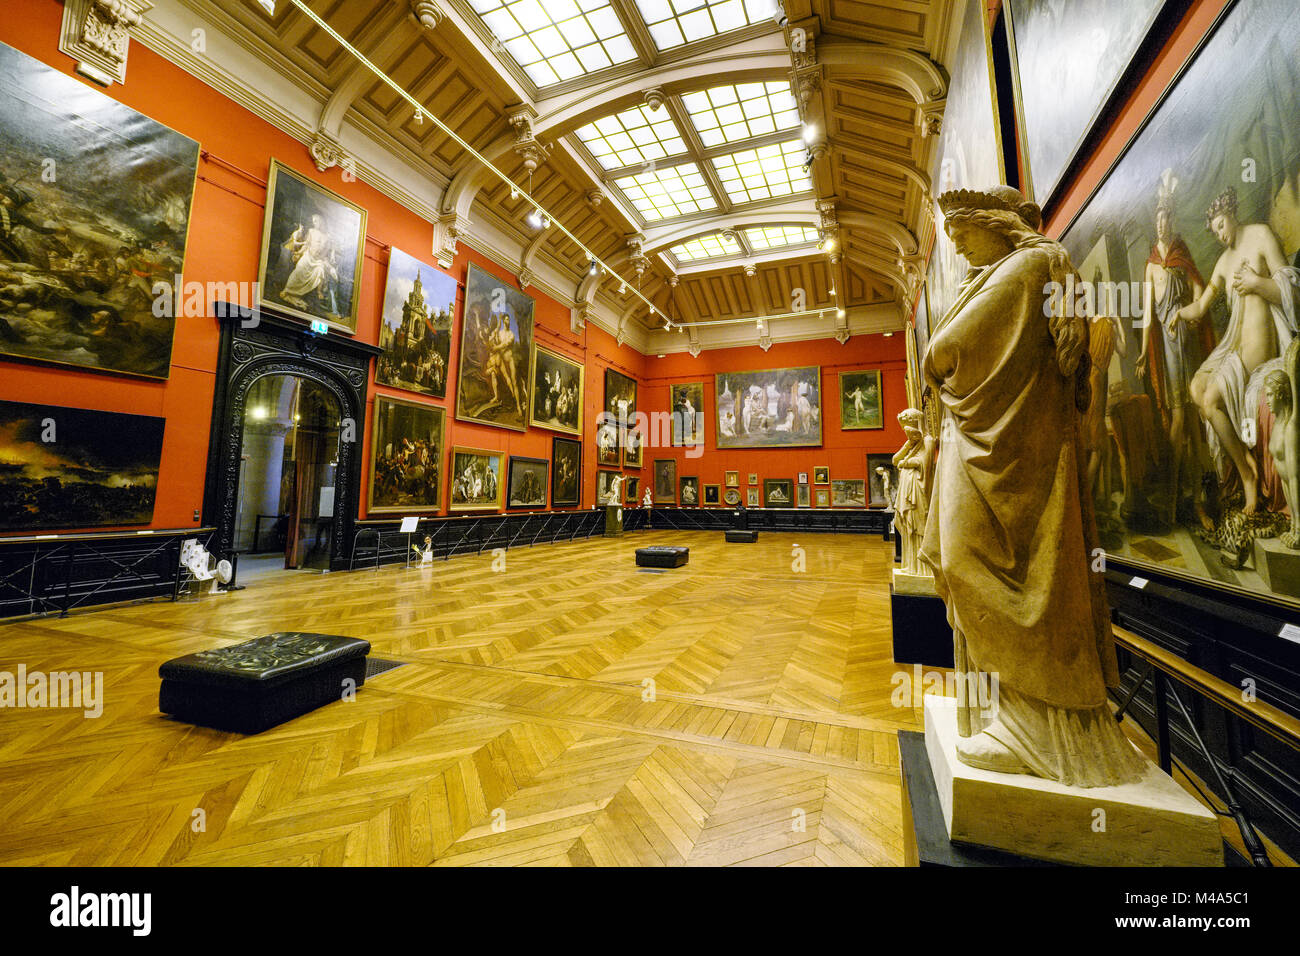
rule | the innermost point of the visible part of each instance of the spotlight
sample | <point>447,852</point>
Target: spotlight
<point>809,133</point>
<point>594,269</point>
<point>537,220</point>
<point>514,192</point>
<point>840,313</point>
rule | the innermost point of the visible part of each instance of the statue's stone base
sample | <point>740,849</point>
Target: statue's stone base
<point>922,584</point>
<point>1152,822</point>
<point>1278,565</point>
<point>613,521</point>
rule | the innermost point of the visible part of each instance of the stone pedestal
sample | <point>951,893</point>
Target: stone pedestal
<point>1152,822</point>
<point>920,629</point>
<point>613,521</point>
<point>920,584</point>
<point>1278,565</point>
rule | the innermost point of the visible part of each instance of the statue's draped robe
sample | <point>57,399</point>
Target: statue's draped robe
<point>1009,534</point>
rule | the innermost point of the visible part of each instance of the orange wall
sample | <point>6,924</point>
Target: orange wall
<point>844,452</point>
<point>224,246</point>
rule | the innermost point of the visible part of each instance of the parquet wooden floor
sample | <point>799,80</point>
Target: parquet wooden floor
<point>563,709</point>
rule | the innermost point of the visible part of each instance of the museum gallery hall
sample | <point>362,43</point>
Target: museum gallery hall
<point>649,433</point>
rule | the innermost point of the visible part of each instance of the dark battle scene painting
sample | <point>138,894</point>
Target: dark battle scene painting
<point>94,210</point>
<point>66,468</point>
<point>415,333</point>
<point>406,454</point>
<point>1195,368</point>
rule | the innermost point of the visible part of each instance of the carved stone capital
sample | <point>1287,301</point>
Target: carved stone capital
<point>578,318</point>
<point>326,152</point>
<point>765,341</point>
<point>807,83</point>
<point>929,118</point>
<point>694,348</point>
<point>445,233</point>
<point>826,210</point>
<point>97,34</point>
<point>595,197</point>
<point>526,277</point>
<point>751,270</point>
<point>842,336</point>
<point>654,99</point>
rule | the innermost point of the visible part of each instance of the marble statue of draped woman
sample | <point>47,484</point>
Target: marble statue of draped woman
<point>1010,532</point>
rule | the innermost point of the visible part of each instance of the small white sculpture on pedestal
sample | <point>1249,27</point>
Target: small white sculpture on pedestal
<point>612,496</point>
<point>883,472</point>
<point>647,500</point>
<point>912,503</point>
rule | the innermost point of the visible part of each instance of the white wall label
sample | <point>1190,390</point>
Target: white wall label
<point>1138,582</point>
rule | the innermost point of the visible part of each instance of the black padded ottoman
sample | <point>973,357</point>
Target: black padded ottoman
<point>253,686</point>
<point>662,556</point>
<point>742,537</point>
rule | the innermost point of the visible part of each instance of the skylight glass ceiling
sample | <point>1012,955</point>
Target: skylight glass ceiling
<point>556,40</point>
<point>778,237</point>
<point>706,247</point>
<point>754,174</point>
<point>729,114</point>
<point>674,23</point>
<point>666,193</point>
<point>631,137</point>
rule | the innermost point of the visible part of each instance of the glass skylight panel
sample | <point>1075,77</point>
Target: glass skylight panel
<point>666,193</point>
<point>778,237</point>
<point>728,114</point>
<point>674,23</point>
<point>706,247</point>
<point>634,136</point>
<point>556,40</point>
<point>754,174</point>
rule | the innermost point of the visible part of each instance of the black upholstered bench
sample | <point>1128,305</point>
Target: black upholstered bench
<point>253,686</point>
<point>743,537</point>
<point>662,556</point>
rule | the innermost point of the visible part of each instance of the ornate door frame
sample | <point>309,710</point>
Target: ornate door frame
<point>254,345</point>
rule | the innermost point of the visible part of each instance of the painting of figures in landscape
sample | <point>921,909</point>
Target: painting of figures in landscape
<point>67,468</point>
<point>94,209</point>
<point>860,400</point>
<point>476,479</point>
<point>1192,406</point>
<point>496,353</point>
<point>406,456</point>
<point>778,407</point>
<point>1070,54</point>
<point>566,472</point>
<point>527,482</point>
<point>687,401</point>
<point>690,491</point>
<point>969,153</point>
<point>313,242</point>
<point>557,392</point>
<point>848,493</point>
<point>415,331</point>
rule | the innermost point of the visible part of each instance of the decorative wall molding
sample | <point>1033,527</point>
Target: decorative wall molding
<point>97,34</point>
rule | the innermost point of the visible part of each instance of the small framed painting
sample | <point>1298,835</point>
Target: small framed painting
<point>751,497</point>
<point>633,488</point>
<point>712,496</point>
<point>803,477</point>
<point>822,475</point>
<point>753,477</point>
<point>634,449</point>
<point>690,492</point>
<point>665,477</point>
<point>823,498</point>
<point>860,405</point>
<point>527,482</point>
<point>604,482</point>
<point>607,450</point>
<point>804,499</point>
<point>778,492</point>
<point>732,497</point>
<point>476,479</point>
<point>849,493</point>
<point>732,479</point>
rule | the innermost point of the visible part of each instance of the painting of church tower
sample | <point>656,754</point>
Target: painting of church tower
<point>415,333</point>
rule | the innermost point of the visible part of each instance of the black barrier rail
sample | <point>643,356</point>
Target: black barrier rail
<point>381,542</point>
<point>47,574</point>
<point>795,520</point>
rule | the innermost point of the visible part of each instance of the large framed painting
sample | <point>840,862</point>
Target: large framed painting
<point>527,485</point>
<point>1067,57</point>
<point>566,472</point>
<point>687,402</point>
<point>861,402</point>
<point>313,245</point>
<point>665,481</point>
<point>969,151</point>
<point>496,353</point>
<point>778,493</point>
<point>476,479</point>
<point>1206,194</point>
<point>68,468</point>
<point>95,203</point>
<point>620,395</point>
<point>557,392</point>
<point>773,408</point>
<point>415,329</point>
<point>848,493</point>
<point>406,449</point>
